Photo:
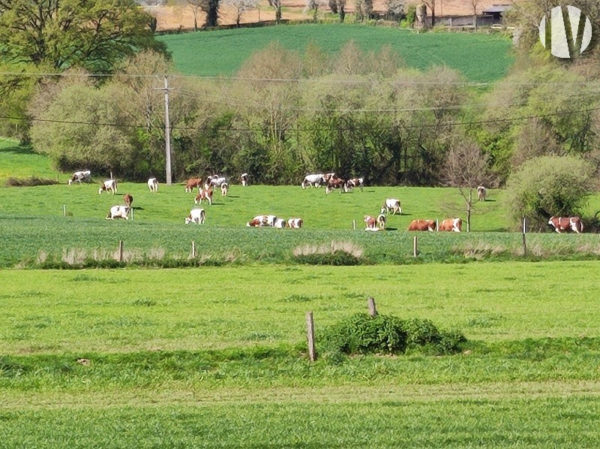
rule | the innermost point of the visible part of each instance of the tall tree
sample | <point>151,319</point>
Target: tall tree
<point>92,34</point>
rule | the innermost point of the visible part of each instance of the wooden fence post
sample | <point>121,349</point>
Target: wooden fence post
<point>120,250</point>
<point>64,210</point>
<point>415,246</point>
<point>193,249</point>
<point>310,335</point>
<point>524,238</point>
<point>372,307</point>
<point>354,225</point>
<point>131,213</point>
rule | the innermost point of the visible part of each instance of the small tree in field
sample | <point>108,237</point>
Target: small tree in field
<point>467,168</point>
<point>240,7</point>
<point>546,186</point>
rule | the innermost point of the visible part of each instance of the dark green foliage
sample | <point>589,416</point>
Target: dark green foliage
<point>337,257</point>
<point>363,334</point>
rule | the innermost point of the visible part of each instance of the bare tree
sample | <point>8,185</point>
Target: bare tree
<point>467,168</point>
<point>196,7</point>
<point>431,5</point>
<point>240,7</point>
<point>474,4</point>
<point>313,6</point>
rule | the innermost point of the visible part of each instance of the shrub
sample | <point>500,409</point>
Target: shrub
<point>29,182</point>
<point>363,334</point>
<point>546,186</point>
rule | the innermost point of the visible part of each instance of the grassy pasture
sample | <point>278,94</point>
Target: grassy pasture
<point>18,161</point>
<point>222,52</point>
<point>187,358</point>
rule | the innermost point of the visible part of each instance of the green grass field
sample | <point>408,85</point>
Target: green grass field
<point>222,52</point>
<point>216,358</point>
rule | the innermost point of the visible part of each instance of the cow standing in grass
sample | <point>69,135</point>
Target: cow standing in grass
<point>128,199</point>
<point>197,215</point>
<point>110,185</point>
<point>78,176</point>
<point>564,224</point>
<point>153,185</point>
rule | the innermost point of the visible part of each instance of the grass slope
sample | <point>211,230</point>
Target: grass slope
<point>222,52</point>
<point>18,161</point>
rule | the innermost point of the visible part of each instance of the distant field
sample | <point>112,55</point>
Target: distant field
<point>222,52</point>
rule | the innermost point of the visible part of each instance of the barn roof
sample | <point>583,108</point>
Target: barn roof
<point>496,9</point>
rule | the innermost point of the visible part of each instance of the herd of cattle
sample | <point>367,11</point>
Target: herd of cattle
<point>329,180</point>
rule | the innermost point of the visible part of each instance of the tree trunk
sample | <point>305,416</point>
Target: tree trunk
<point>342,13</point>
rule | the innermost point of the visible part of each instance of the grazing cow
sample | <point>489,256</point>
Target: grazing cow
<point>355,182</point>
<point>422,225</point>
<point>153,185</point>
<point>204,194</point>
<point>481,193</point>
<point>215,180</point>
<point>370,223</point>
<point>78,176</point>
<point>192,183</point>
<point>391,205</point>
<point>262,220</point>
<point>336,183</point>
<point>328,176</point>
<point>279,223</point>
<point>314,180</point>
<point>244,179</point>
<point>128,199</point>
<point>562,224</point>
<point>381,222</point>
<point>451,225</point>
<point>109,184</point>
<point>224,189</point>
<point>295,223</point>
<point>197,215</point>
<point>118,212</point>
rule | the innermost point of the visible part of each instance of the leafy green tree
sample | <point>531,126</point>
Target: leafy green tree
<point>94,35</point>
<point>546,186</point>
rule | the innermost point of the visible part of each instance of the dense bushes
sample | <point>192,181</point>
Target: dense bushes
<point>362,334</point>
<point>547,186</point>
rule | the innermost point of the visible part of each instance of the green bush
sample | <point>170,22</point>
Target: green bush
<point>547,186</point>
<point>363,334</point>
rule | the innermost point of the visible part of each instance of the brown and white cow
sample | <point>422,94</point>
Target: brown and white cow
<point>355,182</point>
<point>192,183</point>
<point>244,179</point>
<point>370,223</point>
<point>197,215</point>
<point>128,199</point>
<point>78,176</point>
<point>204,194</point>
<point>562,224</point>
<point>381,220</point>
<point>262,220</point>
<point>118,212</point>
<point>336,183</point>
<point>391,205</point>
<point>422,225</point>
<point>451,225</point>
<point>108,185</point>
<point>481,193</point>
<point>295,223</point>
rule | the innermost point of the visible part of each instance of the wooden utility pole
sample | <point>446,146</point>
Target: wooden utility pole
<point>310,336</point>
<point>167,134</point>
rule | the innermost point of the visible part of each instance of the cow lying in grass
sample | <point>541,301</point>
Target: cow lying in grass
<point>196,215</point>
<point>118,212</point>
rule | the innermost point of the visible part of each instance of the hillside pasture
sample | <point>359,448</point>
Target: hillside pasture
<point>222,52</point>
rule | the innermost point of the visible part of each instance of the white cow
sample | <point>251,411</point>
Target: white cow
<point>118,212</point>
<point>224,189</point>
<point>314,180</point>
<point>391,205</point>
<point>197,215</point>
<point>244,179</point>
<point>279,223</point>
<point>110,184</point>
<point>153,184</point>
<point>295,223</point>
<point>215,180</point>
<point>78,176</point>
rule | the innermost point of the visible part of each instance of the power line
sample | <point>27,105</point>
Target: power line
<point>311,128</point>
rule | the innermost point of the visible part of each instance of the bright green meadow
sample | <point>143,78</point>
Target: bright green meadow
<point>222,52</point>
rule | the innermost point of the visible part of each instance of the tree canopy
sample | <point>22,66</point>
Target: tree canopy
<point>62,34</point>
